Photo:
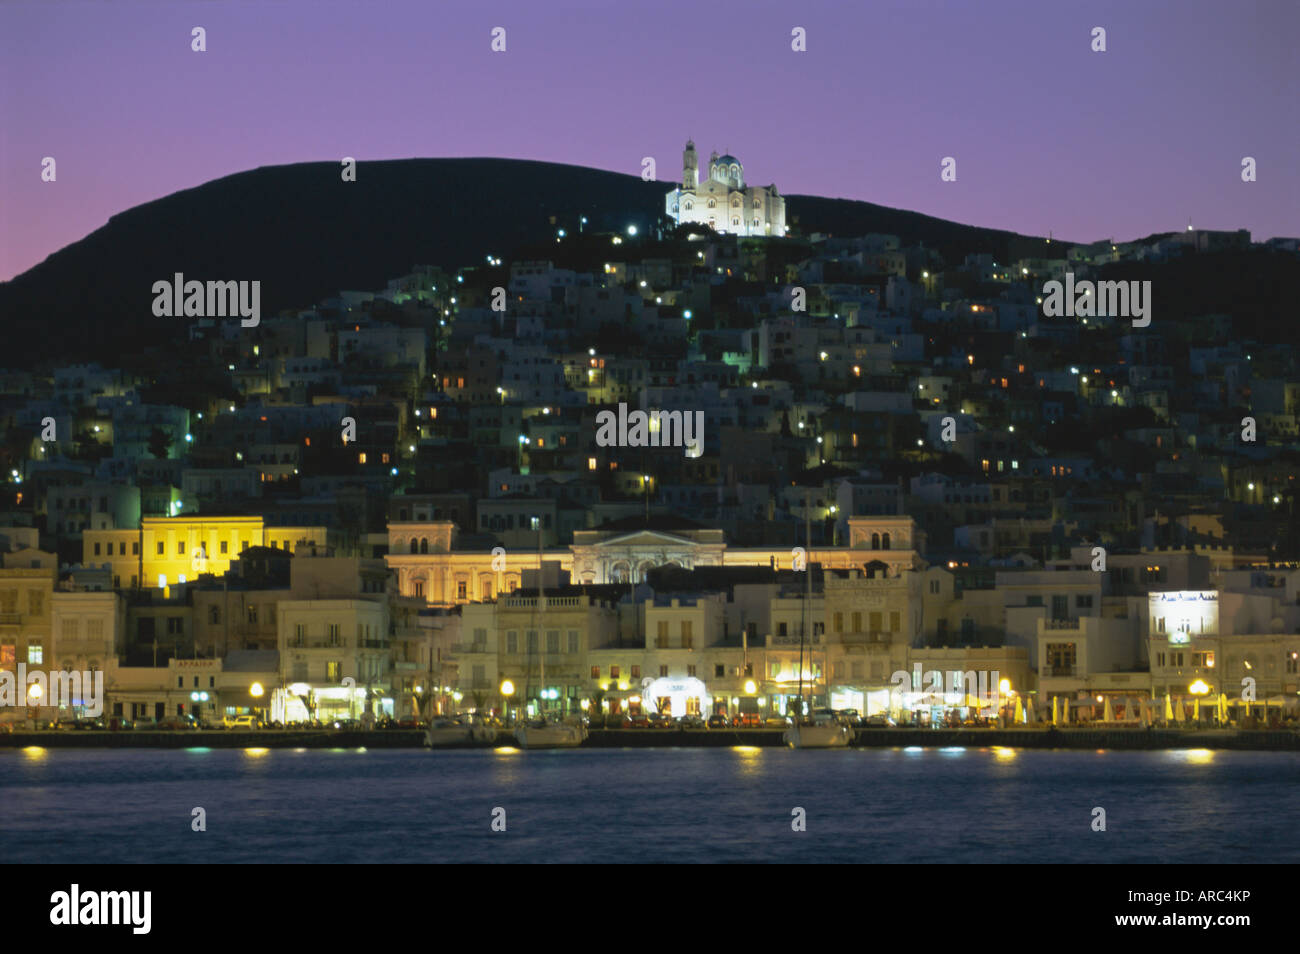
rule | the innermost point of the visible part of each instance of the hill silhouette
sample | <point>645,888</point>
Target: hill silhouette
<point>305,234</point>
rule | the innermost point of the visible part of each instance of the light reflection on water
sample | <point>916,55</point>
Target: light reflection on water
<point>689,804</point>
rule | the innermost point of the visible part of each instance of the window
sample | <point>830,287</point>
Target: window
<point>895,621</point>
<point>934,586</point>
<point>719,671</point>
<point>613,672</point>
<point>636,672</point>
<point>214,615</point>
<point>781,629</point>
<point>512,641</point>
<point>252,615</point>
<point>462,590</point>
<point>180,548</point>
<point>531,639</point>
<point>35,654</point>
<point>225,547</point>
<point>553,641</point>
<point>1083,602</point>
<point>334,671</point>
<point>663,672</point>
<point>135,548</point>
<point>97,549</point>
<point>838,620</point>
<point>419,588</point>
<point>595,672</point>
<point>332,631</point>
<point>690,671</point>
<point>687,634</point>
<point>175,625</point>
<point>573,641</point>
<point>161,547</point>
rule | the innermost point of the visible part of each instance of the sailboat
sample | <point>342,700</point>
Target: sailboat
<point>804,733</point>
<point>546,732</point>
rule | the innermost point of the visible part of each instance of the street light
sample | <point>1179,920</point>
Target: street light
<point>507,690</point>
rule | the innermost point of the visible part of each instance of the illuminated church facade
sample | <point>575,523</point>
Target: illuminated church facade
<point>723,201</point>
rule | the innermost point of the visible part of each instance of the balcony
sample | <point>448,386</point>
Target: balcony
<point>552,602</point>
<point>468,648</point>
<point>880,639</point>
<point>1070,623</point>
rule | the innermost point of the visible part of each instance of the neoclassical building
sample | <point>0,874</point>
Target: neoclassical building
<point>429,566</point>
<point>723,201</point>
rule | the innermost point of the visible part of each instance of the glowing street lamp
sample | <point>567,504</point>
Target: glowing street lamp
<point>507,690</point>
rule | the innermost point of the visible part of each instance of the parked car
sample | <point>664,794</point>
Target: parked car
<point>242,722</point>
<point>661,720</point>
<point>636,722</point>
<point>691,722</point>
<point>822,716</point>
<point>777,722</point>
<point>878,721</point>
<point>408,722</point>
<point>350,725</point>
<point>747,720</point>
<point>719,721</point>
<point>176,723</point>
<point>118,723</point>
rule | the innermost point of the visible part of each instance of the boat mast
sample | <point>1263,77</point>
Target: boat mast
<point>541,620</point>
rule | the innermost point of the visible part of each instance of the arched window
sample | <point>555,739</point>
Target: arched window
<point>713,203</point>
<point>875,541</point>
<point>415,545</point>
<point>735,202</point>
<point>735,221</point>
<point>688,205</point>
<point>424,544</point>
<point>884,542</point>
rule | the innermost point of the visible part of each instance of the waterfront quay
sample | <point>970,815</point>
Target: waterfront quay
<point>1070,738</point>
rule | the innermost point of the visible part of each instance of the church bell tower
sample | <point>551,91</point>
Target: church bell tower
<point>690,168</point>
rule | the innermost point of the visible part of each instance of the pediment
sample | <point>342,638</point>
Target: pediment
<point>647,538</point>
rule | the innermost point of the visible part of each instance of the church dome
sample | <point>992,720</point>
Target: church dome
<point>727,160</point>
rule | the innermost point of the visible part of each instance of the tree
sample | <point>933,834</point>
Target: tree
<point>159,443</point>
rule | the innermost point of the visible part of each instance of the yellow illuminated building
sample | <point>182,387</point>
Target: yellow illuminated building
<point>168,550</point>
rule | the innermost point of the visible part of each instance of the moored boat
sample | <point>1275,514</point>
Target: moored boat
<point>829,736</point>
<point>450,732</point>
<point>550,735</point>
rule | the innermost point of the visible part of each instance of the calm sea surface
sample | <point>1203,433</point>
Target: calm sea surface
<point>648,805</point>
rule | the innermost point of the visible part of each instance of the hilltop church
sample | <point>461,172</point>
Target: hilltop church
<point>723,201</point>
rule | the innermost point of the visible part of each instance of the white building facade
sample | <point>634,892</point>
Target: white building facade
<point>723,201</point>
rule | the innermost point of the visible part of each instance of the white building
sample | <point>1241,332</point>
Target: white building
<point>722,201</point>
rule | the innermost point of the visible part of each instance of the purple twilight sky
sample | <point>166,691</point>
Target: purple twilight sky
<point>1047,134</point>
